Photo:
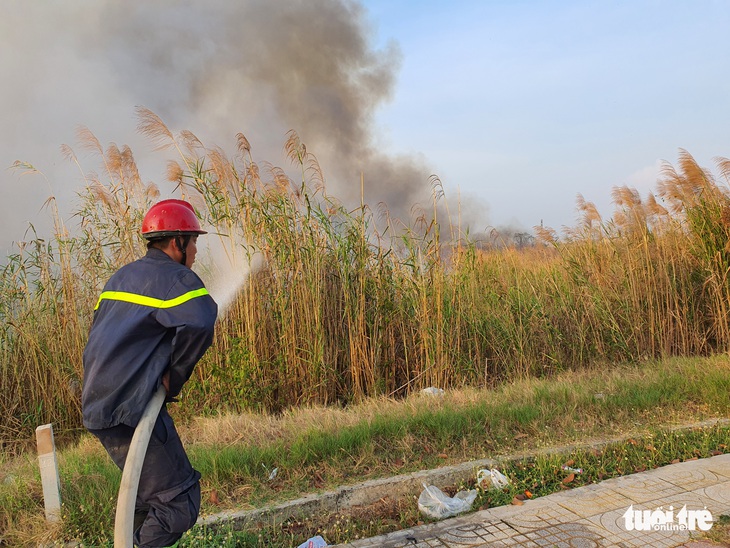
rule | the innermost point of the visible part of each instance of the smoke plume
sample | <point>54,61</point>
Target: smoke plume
<point>215,68</point>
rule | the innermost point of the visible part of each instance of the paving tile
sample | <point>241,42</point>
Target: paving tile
<point>591,500</point>
<point>693,501</point>
<point>516,540</point>
<point>540,517</point>
<point>477,534</point>
<point>719,465</point>
<point>642,487</point>
<point>690,478</point>
<point>589,516</point>
<point>504,513</point>
<point>615,525</point>
<point>718,494</point>
<point>570,535</point>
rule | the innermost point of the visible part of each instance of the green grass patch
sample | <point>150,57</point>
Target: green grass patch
<point>320,449</point>
<point>531,477</point>
<point>550,473</point>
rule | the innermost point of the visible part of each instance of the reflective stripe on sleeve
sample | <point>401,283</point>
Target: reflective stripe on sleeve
<point>150,301</point>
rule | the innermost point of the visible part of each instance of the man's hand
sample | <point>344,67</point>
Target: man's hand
<point>166,381</point>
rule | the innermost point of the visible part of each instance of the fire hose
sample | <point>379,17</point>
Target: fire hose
<point>124,519</point>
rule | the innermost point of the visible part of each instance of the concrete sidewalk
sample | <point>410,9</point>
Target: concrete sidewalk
<point>610,513</point>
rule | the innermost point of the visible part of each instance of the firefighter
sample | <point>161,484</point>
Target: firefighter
<point>152,323</point>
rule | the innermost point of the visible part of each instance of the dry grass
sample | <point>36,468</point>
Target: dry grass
<point>261,428</point>
<point>339,308</point>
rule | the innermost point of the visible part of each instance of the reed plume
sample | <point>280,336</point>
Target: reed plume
<point>348,303</point>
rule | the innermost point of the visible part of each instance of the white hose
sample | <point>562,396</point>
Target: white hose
<point>124,520</point>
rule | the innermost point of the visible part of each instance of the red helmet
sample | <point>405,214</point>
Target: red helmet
<point>170,218</point>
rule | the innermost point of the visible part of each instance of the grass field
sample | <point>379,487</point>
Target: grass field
<point>318,448</point>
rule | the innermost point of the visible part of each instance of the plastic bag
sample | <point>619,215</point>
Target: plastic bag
<point>435,504</point>
<point>314,542</point>
<point>433,391</point>
<point>491,479</point>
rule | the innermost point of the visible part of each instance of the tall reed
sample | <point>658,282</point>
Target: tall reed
<point>345,303</point>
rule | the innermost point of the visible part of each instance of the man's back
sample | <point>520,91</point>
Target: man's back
<point>153,314</point>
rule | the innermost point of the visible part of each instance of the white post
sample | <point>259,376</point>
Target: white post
<point>49,472</point>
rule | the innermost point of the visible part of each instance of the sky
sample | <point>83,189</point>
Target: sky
<point>517,106</point>
<point>528,104</point>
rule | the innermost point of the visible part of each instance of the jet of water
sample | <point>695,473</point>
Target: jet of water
<point>225,267</point>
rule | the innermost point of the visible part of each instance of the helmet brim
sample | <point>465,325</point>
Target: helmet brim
<point>171,233</point>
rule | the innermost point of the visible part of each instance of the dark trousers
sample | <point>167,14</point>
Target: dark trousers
<point>168,498</point>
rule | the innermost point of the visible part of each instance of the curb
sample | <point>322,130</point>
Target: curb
<point>371,491</point>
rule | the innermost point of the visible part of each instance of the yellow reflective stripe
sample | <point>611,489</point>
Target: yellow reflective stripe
<point>150,301</point>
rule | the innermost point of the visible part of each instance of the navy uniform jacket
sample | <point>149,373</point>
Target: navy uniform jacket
<point>154,315</point>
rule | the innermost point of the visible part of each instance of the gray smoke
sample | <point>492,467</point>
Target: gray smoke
<point>215,68</point>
